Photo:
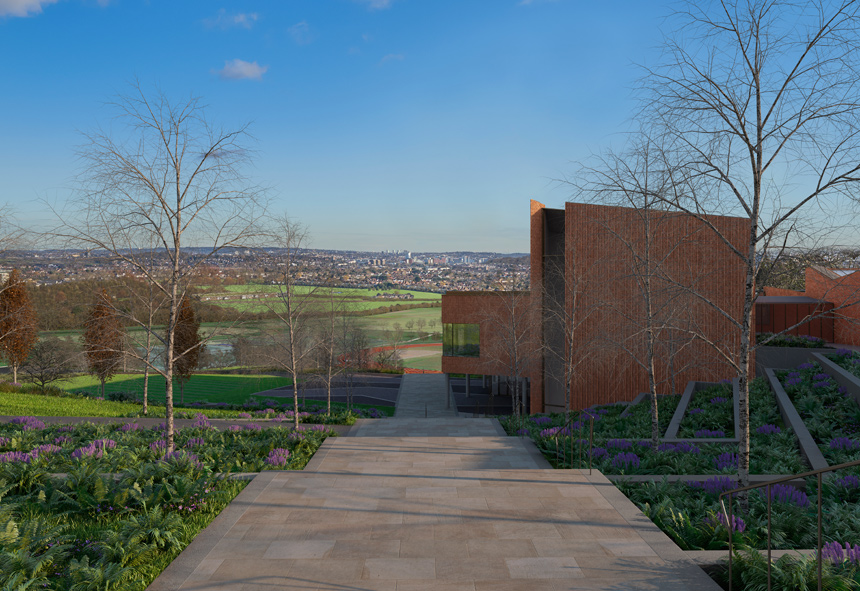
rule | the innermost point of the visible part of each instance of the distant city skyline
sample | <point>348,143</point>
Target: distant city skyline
<point>377,122</point>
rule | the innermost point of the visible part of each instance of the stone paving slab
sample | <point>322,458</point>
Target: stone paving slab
<point>431,513</point>
<point>424,396</point>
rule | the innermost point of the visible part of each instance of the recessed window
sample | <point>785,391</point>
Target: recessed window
<point>461,340</point>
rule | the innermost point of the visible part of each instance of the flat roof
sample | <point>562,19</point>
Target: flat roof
<point>788,300</point>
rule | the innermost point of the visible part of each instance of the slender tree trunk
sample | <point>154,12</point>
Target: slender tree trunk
<point>15,372</point>
<point>146,366</point>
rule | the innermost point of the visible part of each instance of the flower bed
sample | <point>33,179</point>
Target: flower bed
<point>622,443</point>
<point>790,340</point>
<point>847,359</point>
<point>710,414</point>
<point>832,417</point>
<point>124,509</point>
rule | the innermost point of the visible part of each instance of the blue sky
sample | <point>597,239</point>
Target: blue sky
<point>381,124</point>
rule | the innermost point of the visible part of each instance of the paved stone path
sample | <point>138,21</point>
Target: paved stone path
<point>423,395</point>
<point>445,504</point>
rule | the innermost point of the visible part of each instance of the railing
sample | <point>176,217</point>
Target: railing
<point>567,426</point>
<point>728,514</point>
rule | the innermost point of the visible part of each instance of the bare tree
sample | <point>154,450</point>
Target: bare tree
<point>167,178</point>
<point>188,344</point>
<point>755,105</point>
<point>332,329</point>
<point>292,344</point>
<point>50,360</point>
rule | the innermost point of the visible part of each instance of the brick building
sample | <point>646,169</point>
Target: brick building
<point>591,264</point>
<point>829,308</point>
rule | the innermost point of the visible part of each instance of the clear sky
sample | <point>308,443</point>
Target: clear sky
<point>381,124</point>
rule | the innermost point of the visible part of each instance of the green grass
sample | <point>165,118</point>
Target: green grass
<point>425,363</point>
<point>22,404</point>
<point>233,389</point>
<point>342,291</point>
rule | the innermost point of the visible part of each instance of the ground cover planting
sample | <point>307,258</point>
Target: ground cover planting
<point>790,340</point>
<point>122,508</point>
<point>830,414</point>
<point>622,443</point>
<point>710,413</point>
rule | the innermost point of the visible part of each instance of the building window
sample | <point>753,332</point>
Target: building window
<point>461,340</point>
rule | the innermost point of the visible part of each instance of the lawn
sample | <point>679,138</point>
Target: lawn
<point>24,404</point>
<point>342,291</point>
<point>233,389</point>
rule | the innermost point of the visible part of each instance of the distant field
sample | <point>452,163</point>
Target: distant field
<point>347,291</point>
<point>234,389</point>
<point>427,358</point>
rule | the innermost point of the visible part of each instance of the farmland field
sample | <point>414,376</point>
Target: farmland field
<point>234,389</point>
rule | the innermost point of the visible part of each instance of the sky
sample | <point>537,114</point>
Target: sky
<point>421,125</point>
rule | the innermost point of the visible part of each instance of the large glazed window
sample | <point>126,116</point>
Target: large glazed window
<point>461,340</point>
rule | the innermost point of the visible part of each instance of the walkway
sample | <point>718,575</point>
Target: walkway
<point>444,504</point>
<point>423,395</point>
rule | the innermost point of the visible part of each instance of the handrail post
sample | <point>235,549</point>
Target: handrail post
<point>819,531</point>
<point>590,445</point>
<point>768,536</point>
<point>731,540</point>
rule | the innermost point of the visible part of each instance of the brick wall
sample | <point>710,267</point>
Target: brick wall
<point>840,291</point>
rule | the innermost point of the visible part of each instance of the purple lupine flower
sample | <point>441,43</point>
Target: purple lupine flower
<point>45,448</point>
<point>158,446</point>
<point>696,411</point>
<point>820,377</point>
<point>599,452</point>
<point>278,457</point>
<point>253,427</point>
<point>88,451</point>
<point>195,442</point>
<point>645,443</point>
<point>295,436</point>
<point>842,352</point>
<point>244,415</point>
<point>768,429</point>
<point>180,455</point>
<point>738,524</point>
<point>626,460</point>
<point>15,456</point>
<point>28,423</point>
<point>787,494</point>
<point>541,420</point>
<point>4,441</point>
<point>849,482</point>
<point>619,444</point>
<point>716,485</point>
<point>234,428</point>
<point>105,443</point>
<point>126,428</point>
<point>726,460</point>
<point>793,381</point>
<point>719,399</point>
<point>843,443</point>
<point>202,422</point>
<point>838,554</point>
<point>680,447</point>
<point>522,431</point>
<point>62,440</point>
<point>318,429</point>
<point>554,431</point>
<point>820,385</point>
<point>806,366</point>
<point>709,433</point>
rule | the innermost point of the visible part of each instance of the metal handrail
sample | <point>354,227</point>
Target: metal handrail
<point>590,440</point>
<point>728,514</point>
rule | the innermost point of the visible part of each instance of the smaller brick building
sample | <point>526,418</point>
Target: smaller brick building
<point>829,308</point>
<point>590,261</point>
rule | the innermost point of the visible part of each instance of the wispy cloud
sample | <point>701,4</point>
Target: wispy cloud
<point>301,33</point>
<point>392,57</point>
<point>377,4</point>
<point>223,20</point>
<point>23,7</point>
<point>241,70</point>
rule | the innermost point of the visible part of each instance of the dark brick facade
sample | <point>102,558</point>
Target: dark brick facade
<point>696,282</point>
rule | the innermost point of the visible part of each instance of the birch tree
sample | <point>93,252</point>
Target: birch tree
<point>755,103</point>
<point>163,175</point>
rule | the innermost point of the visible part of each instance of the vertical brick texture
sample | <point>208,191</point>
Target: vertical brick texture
<point>844,293</point>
